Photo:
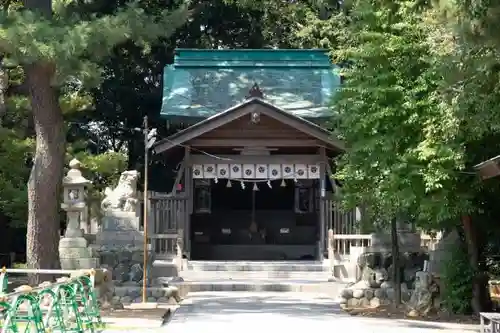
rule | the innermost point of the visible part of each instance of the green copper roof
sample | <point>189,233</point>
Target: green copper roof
<point>202,83</point>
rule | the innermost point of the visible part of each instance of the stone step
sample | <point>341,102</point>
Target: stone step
<point>257,266</point>
<point>200,275</point>
<point>276,285</point>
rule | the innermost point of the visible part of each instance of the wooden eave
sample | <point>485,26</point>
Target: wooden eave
<point>249,106</point>
<point>489,168</point>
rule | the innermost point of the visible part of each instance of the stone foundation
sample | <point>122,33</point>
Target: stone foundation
<point>126,264</point>
<point>133,294</point>
<point>116,294</point>
<point>376,267</point>
<point>124,267</point>
<point>375,270</point>
<point>361,295</point>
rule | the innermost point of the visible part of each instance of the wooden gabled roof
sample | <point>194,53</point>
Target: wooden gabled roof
<point>489,168</point>
<point>247,107</point>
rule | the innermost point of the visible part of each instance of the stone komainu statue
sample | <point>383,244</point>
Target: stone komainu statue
<point>124,196</point>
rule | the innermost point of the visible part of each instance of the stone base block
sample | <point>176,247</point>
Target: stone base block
<point>126,263</point>
<point>79,263</point>
<point>113,239</point>
<point>132,295</point>
<point>70,242</point>
<point>408,242</point>
<point>164,268</point>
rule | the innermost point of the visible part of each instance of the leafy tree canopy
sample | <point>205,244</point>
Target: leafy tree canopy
<point>403,154</point>
<point>75,42</point>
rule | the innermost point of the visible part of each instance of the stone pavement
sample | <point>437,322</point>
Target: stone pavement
<point>216,312</point>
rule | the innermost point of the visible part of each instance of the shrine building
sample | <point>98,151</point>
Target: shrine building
<point>255,181</point>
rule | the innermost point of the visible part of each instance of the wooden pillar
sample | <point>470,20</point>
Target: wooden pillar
<point>322,208</point>
<point>188,185</point>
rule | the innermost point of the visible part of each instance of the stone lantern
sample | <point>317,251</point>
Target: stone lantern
<point>73,250</point>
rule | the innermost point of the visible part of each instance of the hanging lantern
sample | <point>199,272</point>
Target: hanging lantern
<point>179,187</point>
<point>255,187</point>
<point>283,183</point>
<point>228,184</point>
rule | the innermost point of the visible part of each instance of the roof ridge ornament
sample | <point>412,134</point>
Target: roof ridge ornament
<point>255,92</point>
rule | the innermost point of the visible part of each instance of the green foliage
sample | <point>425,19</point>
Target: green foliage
<point>104,170</point>
<point>15,152</point>
<point>456,280</point>
<point>403,156</point>
<point>75,42</point>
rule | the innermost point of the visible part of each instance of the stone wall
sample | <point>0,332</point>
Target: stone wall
<point>131,293</point>
<point>125,263</point>
<point>363,296</point>
<point>375,286</point>
<point>119,246</point>
<point>117,293</point>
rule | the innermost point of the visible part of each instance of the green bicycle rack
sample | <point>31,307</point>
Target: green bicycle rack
<point>66,307</point>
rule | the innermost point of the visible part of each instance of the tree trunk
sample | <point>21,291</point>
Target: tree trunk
<point>396,276</point>
<point>44,185</point>
<point>481,300</point>
<point>4,83</point>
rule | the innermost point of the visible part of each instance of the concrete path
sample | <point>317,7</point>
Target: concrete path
<point>216,312</point>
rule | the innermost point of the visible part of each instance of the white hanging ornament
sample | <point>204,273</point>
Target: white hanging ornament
<point>216,180</point>
<point>242,185</point>
<point>283,183</point>
<point>228,184</point>
<point>269,184</point>
<point>255,187</point>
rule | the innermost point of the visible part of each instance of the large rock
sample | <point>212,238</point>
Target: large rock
<point>121,273</point>
<point>136,272</point>
<point>379,293</point>
<point>442,252</point>
<point>346,293</point>
<point>375,302</point>
<point>353,303</point>
<point>364,303</point>
<point>369,293</point>
<point>421,301</point>
<point>358,293</point>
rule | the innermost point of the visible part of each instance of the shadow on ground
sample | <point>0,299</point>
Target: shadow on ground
<point>287,304</point>
<point>229,306</point>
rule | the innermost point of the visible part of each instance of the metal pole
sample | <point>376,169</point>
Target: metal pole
<point>145,211</point>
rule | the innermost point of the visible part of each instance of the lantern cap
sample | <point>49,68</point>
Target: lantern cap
<point>74,175</point>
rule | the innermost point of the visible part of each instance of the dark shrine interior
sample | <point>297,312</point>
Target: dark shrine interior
<point>248,223</point>
<point>236,198</point>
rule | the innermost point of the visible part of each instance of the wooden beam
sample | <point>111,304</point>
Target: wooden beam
<point>303,126</point>
<point>178,178</point>
<point>253,143</point>
<point>254,159</point>
<point>188,185</point>
<point>204,127</point>
<point>489,169</point>
<point>248,107</point>
<point>330,175</point>
<point>322,210</point>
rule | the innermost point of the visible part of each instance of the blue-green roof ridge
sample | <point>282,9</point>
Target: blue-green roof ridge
<point>201,83</point>
<point>251,58</point>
